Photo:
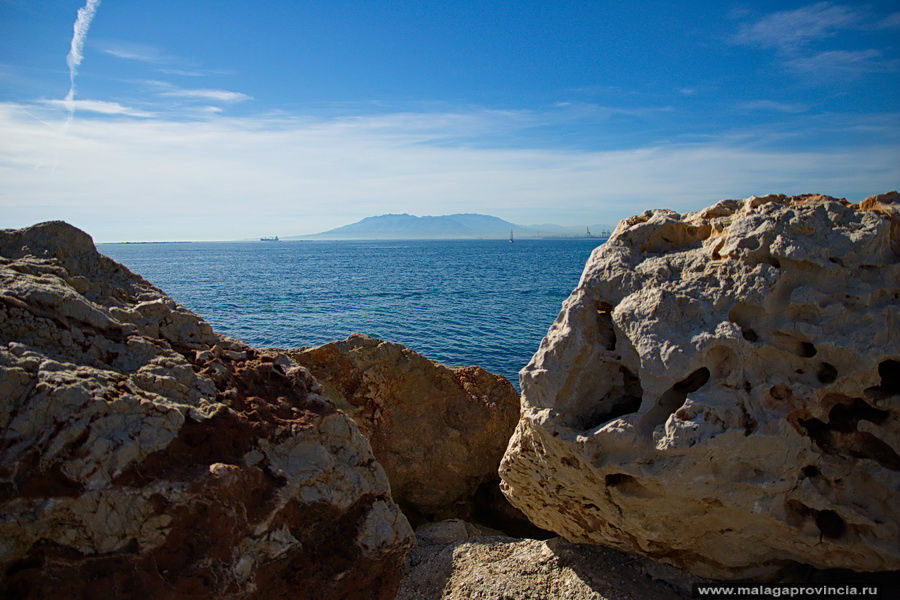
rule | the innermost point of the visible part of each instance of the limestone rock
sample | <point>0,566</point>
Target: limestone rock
<point>720,392</point>
<point>142,455</point>
<point>438,431</point>
<point>457,561</point>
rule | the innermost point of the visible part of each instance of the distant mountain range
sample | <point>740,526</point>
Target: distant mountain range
<point>459,226</point>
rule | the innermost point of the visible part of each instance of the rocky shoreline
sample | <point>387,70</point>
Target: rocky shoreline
<point>717,399</point>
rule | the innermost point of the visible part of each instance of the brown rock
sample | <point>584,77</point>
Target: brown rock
<point>438,431</point>
<point>144,456</point>
<point>887,205</point>
<point>722,391</point>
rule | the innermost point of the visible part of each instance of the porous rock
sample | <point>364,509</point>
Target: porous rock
<point>144,456</point>
<point>720,392</point>
<point>438,431</point>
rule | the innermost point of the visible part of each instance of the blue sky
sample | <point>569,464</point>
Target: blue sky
<point>229,120</point>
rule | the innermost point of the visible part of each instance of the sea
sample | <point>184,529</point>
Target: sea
<point>460,302</point>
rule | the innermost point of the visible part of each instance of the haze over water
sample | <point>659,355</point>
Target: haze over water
<point>460,302</point>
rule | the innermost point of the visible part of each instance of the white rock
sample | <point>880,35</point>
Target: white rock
<point>720,392</point>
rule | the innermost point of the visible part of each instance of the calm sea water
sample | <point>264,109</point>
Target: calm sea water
<point>461,302</point>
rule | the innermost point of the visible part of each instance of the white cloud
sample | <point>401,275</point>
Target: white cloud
<point>133,51</point>
<point>206,94</point>
<point>843,62</point>
<point>793,28</point>
<point>97,106</point>
<point>580,110</point>
<point>792,34</point>
<point>229,178</point>
<point>73,59</point>
<point>892,21</point>
<point>184,72</point>
<point>169,90</point>
<point>79,32</point>
<point>772,105</point>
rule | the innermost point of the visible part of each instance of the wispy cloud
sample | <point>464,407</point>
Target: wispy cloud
<point>844,62</point>
<point>772,105</point>
<point>133,51</point>
<point>163,61</point>
<point>184,72</point>
<point>892,21</point>
<point>206,94</point>
<point>98,106</point>
<point>787,30</point>
<point>800,37</point>
<point>582,110</point>
<point>79,32</point>
<point>168,90</point>
<point>73,59</point>
<point>234,177</point>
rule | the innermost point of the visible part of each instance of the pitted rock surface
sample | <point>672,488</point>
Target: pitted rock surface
<point>439,432</point>
<point>142,455</point>
<point>720,392</point>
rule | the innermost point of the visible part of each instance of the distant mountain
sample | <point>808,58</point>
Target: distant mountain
<point>458,226</point>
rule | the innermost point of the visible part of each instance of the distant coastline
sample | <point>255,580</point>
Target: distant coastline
<point>406,227</point>
<point>599,238</point>
<point>462,226</point>
<point>178,242</point>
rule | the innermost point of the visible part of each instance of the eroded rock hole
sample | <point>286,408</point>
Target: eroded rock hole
<point>743,315</point>
<point>605,329</point>
<point>790,343</point>
<point>674,398</point>
<point>632,385</point>
<point>810,471</point>
<point>627,401</point>
<point>24,564</point>
<point>780,392</point>
<point>845,417</point>
<point>614,479</point>
<point>889,371</point>
<point>841,436</point>
<point>626,485</point>
<point>797,513</point>
<point>692,382</point>
<point>827,373</point>
<point>747,421</point>
<point>830,524</point>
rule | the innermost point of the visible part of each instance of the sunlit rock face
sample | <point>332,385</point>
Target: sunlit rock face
<point>439,431</point>
<point>144,456</point>
<point>720,392</point>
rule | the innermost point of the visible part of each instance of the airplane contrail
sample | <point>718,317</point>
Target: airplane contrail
<point>73,59</point>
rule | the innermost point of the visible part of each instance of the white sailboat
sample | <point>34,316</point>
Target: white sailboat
<point>511,240</point>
